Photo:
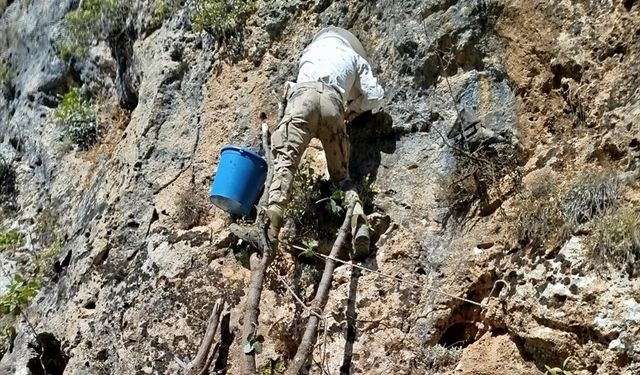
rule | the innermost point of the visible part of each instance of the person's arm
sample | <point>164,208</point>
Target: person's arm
<point>371,93</point>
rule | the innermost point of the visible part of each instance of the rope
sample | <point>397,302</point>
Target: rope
<point>396,278</point>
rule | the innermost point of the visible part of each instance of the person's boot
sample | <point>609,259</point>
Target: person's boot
<point>251,233</point>
<point>361,242</point>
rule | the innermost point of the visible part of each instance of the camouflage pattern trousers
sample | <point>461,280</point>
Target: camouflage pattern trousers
<point>314,110</point>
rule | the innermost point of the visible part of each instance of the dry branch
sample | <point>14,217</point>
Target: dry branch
<point>320,299</point>
<point>258,269</point>
<point>203,359</point>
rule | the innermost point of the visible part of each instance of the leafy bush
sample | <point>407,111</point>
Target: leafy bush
<point>5,75</point>
<point>76,117</point>
<point>97,19</point>
<point>19,295</point>
<point>303,191</point>
<point>191,208</point>
<point>220,16</point>
<point>589,197</point>
<point>11,239</point>
<point>617,240</point>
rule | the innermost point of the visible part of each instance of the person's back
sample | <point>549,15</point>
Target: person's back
<point>337,58</point>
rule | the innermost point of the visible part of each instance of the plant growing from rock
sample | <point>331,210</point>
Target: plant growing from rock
<point>19,294</point>
<point>538,219</point>
<point>440,359</point>
<point>220,17</point>
<point>5,75</point>
<point>94,19</point>
<point>11,239</point>
<point>617,241</point>
<point>191,208</point>
<point>590,196</point>
<point>76,118</point>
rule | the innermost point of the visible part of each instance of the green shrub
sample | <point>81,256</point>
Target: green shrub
<point>303,192</point>
<point>617,240</point>
<point>19,295</point>
<point>220,16</point>
<point>590,196</point>
<point>76,117</point>
<point>161,10</point>
<point>97,19</point>
<point>5,75</point>
<point>11,239</point>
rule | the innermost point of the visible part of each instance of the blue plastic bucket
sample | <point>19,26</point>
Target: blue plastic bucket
<point>239,179</point>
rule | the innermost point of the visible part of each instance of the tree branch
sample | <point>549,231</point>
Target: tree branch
<point>320,299</point>
<point>203,360</point>
<point>258,269</point>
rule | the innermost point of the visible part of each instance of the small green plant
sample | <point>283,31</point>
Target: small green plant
<point>309,252</point>
<point>11,239</point>
<point>191,208</point>
<point>589,197</point>
<point>220,16</point>
<point>19,295</point>
<point>76,117</point>
<point>275,367</point>
<point>367,190</point>
<point>5,75</point>
<point>253,344</point>
<point>335,202</point>
<point>44,259</point>
<point>558,370</point>
<point>617,240</point>
<point>302,191</point>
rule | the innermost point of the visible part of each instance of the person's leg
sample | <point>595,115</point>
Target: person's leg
<point>335,142</point>
<point>288,143</point>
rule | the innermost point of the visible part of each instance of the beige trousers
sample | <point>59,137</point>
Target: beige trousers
<point>314,110</point>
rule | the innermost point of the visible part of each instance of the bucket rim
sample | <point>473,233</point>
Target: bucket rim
<point>242,150</point>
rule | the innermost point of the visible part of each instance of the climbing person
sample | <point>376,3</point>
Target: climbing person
<point>335,83</point>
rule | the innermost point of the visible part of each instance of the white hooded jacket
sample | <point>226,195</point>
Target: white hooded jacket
<point>336,57</point>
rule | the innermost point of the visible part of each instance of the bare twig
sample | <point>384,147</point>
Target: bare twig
<point>258,269</point>
<point>320,299</point>
<point>203,359</point>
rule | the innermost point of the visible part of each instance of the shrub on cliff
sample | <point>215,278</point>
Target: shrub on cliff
<point>617,241</point>
<point>76,117</point>
<point>5,75</point>
<point>191,208</point>
<point>589,197</point>
<point>96,19</point>
<point>220,17</point>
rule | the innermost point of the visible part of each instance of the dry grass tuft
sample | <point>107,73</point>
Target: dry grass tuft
<point>617,241</point>
<point>439,358</point>
<point>589,197</point>
<point>538,219</point>
<point>191,208</point>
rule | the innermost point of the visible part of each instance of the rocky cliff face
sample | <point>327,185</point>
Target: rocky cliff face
<point>503,161</point>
